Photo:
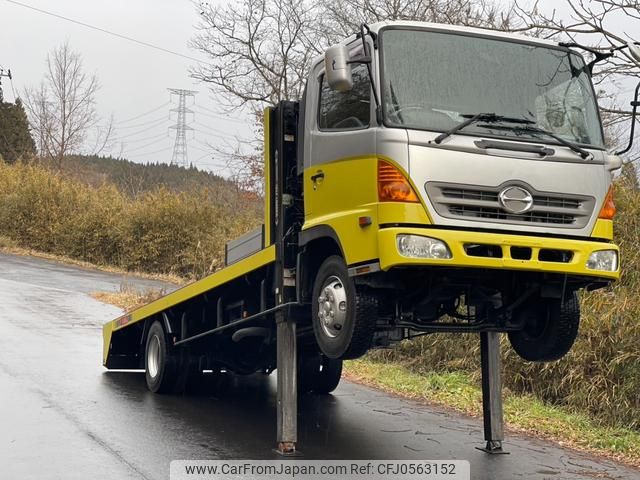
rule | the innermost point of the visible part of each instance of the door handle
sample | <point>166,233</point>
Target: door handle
<point>317,176</point>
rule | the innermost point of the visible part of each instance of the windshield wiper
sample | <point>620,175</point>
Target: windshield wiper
<point>533,129</point>
<point>480,117</point>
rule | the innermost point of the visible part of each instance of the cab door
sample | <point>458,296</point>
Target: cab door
<point>340,156</point>
<point>342,144</point>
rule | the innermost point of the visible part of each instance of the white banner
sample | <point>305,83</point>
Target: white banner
<point>320,469</point>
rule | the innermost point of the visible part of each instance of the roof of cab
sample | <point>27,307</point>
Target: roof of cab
<point>376,27</point>
<point>485,32</point>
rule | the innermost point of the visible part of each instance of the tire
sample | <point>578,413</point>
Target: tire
<point>162,365</point>
<point>550,329</point>
<point>349,333</point>
<point>319,374</point>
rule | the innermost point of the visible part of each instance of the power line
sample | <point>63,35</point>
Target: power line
<point>226,136</point>
<point>201,149</point>
<point>144,130</point>
<point>141,139</point>
<point>138,125</point>
<point>103,30</point>
<point>218,116</point>
<point>141,147</point>
<point>203,144</point>
<point>205,155</point>
<point>143,114</point>
<point>219,113</point>
<point>166,149</point>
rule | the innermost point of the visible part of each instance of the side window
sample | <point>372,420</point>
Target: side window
<point>348,110</point>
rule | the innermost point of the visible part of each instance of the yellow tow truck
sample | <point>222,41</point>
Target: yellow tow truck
<point>432,178</point>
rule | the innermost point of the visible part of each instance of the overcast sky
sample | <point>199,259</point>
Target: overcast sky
<point>134,78</point>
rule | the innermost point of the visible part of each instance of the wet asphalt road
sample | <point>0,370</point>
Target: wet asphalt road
<point>62,416</point>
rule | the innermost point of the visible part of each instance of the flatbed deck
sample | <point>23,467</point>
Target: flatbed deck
<point>253,262</point>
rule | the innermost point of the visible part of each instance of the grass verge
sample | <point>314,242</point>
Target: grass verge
<point>522,413</point>
<point>128,297</point>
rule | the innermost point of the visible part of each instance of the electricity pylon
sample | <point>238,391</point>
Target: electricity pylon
<point>180,154</point>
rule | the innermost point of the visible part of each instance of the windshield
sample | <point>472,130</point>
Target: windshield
<point>432,79</point>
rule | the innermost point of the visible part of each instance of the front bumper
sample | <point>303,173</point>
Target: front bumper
<point>457,241</point>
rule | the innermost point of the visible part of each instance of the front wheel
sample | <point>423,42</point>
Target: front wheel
<point>319,374</point>
<point>550,329</point>
<point>343,315</point>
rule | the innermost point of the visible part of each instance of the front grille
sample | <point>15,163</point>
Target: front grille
<point>466,194</point>
<point>497,214</point>
<point>557,202</point>
<point>482,204</point>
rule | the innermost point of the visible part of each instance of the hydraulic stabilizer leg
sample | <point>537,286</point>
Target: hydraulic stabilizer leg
<point>287,385</point>
<point>492,392</point>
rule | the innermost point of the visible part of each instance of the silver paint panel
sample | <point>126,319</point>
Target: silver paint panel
<point>458,163</point>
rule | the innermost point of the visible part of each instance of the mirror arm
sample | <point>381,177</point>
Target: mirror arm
<point>360,60</point>
<point>367,61</point>
<point>599,57</point>
<point>635,104</point>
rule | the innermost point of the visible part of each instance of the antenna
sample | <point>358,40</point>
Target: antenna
<point>180,154</point>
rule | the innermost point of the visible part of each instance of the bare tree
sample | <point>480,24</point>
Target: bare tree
<point>260,51</point>
<point>343,17</point>
<point>62,110</point>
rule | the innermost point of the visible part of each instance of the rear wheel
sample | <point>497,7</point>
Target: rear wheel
<point>343,315</point>
<point>162,364</point>
<point>550,329</point>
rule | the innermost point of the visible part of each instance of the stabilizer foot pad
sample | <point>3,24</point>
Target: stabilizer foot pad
<point>493,448</point>
<point>287,449</point>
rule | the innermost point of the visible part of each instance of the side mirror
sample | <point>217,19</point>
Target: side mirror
<point>337,68</point>
<point>635,104</point>
<point>634,50</point>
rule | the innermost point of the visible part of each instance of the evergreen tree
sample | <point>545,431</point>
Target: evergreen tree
<point>15,137</point>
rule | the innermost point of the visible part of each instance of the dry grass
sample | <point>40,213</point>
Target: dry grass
<point>157,232</point>
<point>128,297</point>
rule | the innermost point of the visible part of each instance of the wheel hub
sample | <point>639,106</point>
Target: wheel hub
<point>153,357</point>
<point>332,307</point>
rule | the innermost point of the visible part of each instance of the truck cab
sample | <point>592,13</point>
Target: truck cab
<point>455,179</point>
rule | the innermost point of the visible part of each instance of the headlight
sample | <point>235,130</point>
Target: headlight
<point>417,246</point>
<point>605,260</point>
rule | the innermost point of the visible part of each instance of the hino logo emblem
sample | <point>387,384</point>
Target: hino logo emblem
<point>515,200</point>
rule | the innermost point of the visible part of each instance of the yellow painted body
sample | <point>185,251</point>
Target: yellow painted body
<point>349,191</point>
<point>455,239</point>
<point>603,229</point>
<point>345,194</point>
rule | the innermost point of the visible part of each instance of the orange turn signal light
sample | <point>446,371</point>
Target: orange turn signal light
<point>393,186</point>
<point>608,208</point>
